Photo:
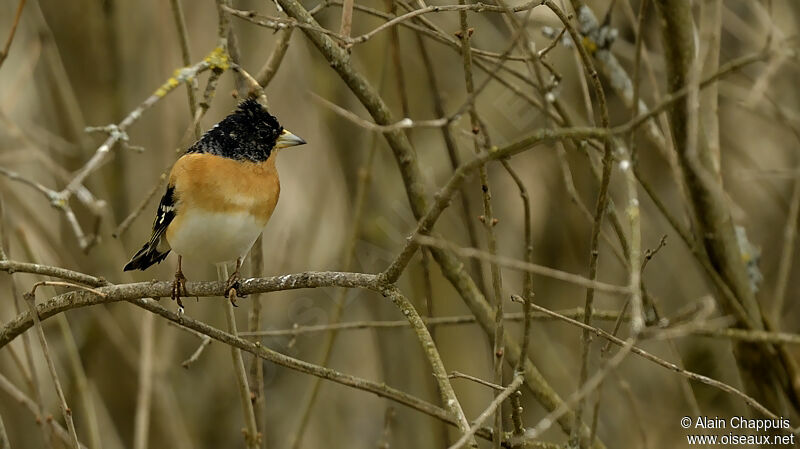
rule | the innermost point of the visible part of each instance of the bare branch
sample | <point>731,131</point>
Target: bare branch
<point>10,39</point>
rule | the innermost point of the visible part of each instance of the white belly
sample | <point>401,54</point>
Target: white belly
<point>215,237</point>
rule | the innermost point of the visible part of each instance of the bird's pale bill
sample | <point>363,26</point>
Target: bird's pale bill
<point>288,139</point>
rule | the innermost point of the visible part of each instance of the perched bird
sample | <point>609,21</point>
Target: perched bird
<point>220,195</point>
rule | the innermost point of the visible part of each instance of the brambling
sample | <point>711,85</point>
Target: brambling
<point>220,195</point>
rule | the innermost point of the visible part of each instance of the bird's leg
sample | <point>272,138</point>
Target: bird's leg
<point>179,286</point>
<point>232,285</point>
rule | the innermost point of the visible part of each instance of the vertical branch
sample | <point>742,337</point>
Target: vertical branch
<point>183,37</point>
<point>92,425</point>
<point>489,223</point>
<point>527,297</point>
<point>3,240</point>
<point>4,443</point>
<point>637,58</point>
<point>10,39</point>
<point>629,172</point>
<point>141,427</point>
<point>251,436</point>
<point>789,238</point>
<point>497,286</point>
<point>599,212</point>
<point>347,18</point>
<point>223,23</point>
<point>254,324</point>
<point>710,40</point>
<point>65,410</point>
<point>455,160</point>
<point>27,348</point>
<point>397,62</point>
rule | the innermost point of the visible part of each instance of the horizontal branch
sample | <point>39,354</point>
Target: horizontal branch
<point>576,313</point>
<point>163,289</point>
<point>12,267</point>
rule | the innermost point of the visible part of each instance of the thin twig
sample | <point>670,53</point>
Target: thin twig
<point>599,213</point>
<point>460,375</point>
<point>490,410</point>
<point>515,264</point>
<point>57,200</point>
<point>251,436</point>
<point>11,267</point>
<point>671,366</point>
<point>65,410</point>
<point>347,18</point>
<point>197,352</point>
<point>65,284</point>
<point>73,355</point>
<point>21,398</point>
<point>141,426</point>
<point>183,36</point>
<point>4,443</point>
<point>527,296</point>
<point>47,425</point>
<point>405,123</point>
<point>253,324</point>
<point>785,264</point>
<point>10,39</point>
<point>81,382</point>
<point>576,313</point>
<point>453,156</point>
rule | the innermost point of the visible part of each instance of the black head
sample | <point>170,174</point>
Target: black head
<point>249,133</point>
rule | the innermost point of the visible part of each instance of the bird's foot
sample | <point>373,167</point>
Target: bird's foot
<point>232,288</point>
<point>179,290</point>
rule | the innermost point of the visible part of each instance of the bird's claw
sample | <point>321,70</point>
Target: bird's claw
<point>232,289</point>
<point>231,295</point>
<point>179,290</point>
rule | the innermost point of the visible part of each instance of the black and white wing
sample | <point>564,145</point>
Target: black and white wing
<point>157,248</point>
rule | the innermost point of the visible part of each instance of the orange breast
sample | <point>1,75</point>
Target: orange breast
<point>218,184</point>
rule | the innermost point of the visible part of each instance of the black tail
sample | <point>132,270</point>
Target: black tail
<point>145,257</point>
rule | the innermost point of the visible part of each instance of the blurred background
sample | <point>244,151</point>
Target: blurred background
<point>89,63</point>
